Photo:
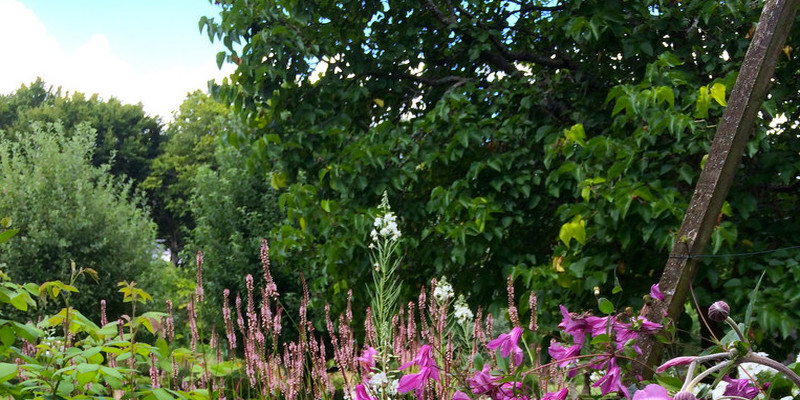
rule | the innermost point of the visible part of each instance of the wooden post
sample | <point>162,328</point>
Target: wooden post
<point>720,168</point>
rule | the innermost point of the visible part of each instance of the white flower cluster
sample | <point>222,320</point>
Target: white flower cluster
<point>443,291</point>
<point>385,227</point>
<point>461,311</point>
<point>379,383</point>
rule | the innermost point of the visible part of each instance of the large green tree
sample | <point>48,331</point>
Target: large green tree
<point>558,141</point>
<point>127,138</point>
<point>67,210</point>
<point>189,144</point>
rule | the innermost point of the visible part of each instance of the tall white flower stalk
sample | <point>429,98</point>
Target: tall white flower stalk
<point>386,290</point>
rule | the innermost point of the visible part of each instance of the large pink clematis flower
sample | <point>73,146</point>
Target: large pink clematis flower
<point>509,344</point>
<point>651,392</point>
<point>427,370</point>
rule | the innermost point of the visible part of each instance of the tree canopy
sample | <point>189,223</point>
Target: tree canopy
<point>558,141</point>
<point>68,210</point>
<point>127,138</point>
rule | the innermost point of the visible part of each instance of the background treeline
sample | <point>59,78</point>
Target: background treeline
<point>558,143</point>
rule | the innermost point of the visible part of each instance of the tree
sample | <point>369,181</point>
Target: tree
<point>557,141</point>
<point>190,142</point>
<point>68,210</point>
<point>233,211</point>
<point>127,138</point>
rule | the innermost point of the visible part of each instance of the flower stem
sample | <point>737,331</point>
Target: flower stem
<point>766,361</point>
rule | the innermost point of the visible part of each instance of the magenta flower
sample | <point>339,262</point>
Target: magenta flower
<point>367,359</point>
<point>598,325</point>
<point>739,388</point>
<point>675,361</point>
<point>651,392</point>
<point>559,395</point>
<point>482,382</point>
<point>575,327</point>
<point>459,395</point>
<point>610,382</point>
<point>427,370</point>
<point>361,393</point>
<point>509,391</point>
<point>655,292</point>
<point>563,355</point>
<point>508,344</point>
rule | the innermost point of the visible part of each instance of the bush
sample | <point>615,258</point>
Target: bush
<point>70,211</point>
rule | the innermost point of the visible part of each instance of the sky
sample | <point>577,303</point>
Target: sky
<point>143,51</point>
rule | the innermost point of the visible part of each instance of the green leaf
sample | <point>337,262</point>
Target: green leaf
<point>574,229</point>
<point>111,376</point>
<point>220,59</point>
<point>162,394</point>
<point>86,372</point>
<point>278,180</point>
<point>7,234</point>
<point>703,100</point>
<point>601,338</point>
<point>718,93</point>
<point>605,305</point>
<point>576,134</point>
<point>8,371</point>
<point>665,94</point>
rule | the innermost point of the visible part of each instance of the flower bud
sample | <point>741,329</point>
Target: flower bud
<point>719,311</point>
<point>684,395</point>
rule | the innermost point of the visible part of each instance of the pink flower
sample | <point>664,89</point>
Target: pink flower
<point>651,392</point>
<point>575,327</point>
<point>610,382</point>
<point>482,382</point>
<point>367,358</point>
<point>598,325</point>
<point>739,388</point>
<point>508,344</point>
<point>559,395</point>
<point>655,292</point>
<point>361,393</point>
<point>427,370</point>
<point>459,395</point>
<point>563,355</point>
<point>675,361</point>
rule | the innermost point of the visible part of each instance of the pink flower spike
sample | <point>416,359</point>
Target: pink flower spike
<point>361,393</point>
<point>655,293</point>
<point>508,344</point>
<point>459,395</point>
<point>675,361</point>
<point>559,395</point>
<point>651,392</point>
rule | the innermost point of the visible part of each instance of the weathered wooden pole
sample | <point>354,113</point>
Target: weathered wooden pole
<point>720,168</point>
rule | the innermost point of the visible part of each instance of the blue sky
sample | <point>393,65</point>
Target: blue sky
<point>147,51</point>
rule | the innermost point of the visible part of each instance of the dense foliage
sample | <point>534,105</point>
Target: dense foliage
<point>69,211</point>
<point>188,145</point>
<point>127,138</point>
<point>558,141</point>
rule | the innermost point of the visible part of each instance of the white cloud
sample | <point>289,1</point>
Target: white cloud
<point>30,52</point>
